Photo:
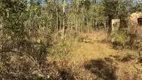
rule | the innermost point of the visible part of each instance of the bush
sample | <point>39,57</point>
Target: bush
<point>119,38</point>
<point>135,35</point>
<point>61,47</point>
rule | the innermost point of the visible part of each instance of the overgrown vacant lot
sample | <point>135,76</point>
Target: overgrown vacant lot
<point>70,40</point>
<point>95,58</point>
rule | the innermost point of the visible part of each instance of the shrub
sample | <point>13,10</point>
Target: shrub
<point>119,38</point>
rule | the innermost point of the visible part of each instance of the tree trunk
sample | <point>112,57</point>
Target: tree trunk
<point>63,24</point>
<point>109,24</point>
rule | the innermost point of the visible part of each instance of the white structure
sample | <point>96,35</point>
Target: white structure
<point>115,24</point>
<point>134,18</point>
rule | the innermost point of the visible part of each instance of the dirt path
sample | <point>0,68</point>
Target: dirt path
<point>96,58</point>
<point>93,46</point>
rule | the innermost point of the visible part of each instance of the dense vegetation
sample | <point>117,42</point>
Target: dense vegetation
<point>36,40</point>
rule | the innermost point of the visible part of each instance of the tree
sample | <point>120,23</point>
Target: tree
<point>13,13</point>
<point>63,24</point>
<point>116,9</point>
<point>136,7</point>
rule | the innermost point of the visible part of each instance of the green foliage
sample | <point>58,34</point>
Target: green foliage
<point>116,8</point>
<point>136,7</point>
<point>62,48</point>
<point>13,13</point>
<point>119,37</point>
<point>27,33</point>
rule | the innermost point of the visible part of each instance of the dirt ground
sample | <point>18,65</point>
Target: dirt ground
<point>96,55</point>
<point>93,58</point>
